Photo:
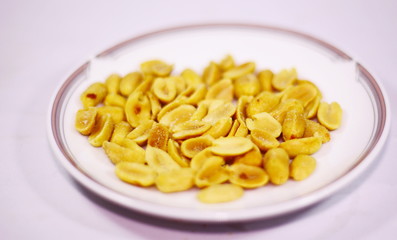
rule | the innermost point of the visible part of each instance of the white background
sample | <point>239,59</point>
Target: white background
<point>42,41</point>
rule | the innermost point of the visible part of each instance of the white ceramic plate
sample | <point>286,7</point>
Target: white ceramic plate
<point>354,146</point>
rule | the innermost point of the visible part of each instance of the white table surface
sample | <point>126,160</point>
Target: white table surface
<point>42,41</point>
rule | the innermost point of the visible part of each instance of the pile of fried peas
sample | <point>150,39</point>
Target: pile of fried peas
<point>228,129</point>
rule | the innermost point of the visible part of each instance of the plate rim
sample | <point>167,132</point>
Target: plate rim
<point>213,216</point>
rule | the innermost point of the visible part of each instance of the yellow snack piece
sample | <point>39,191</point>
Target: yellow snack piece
<point>129,83</point>
<point>227,63</point>
<point>160,160</point>
<point>93,95</point>
<point>120,131</point>
<point>233,129</point>
<point>263,102</point>
<point>191,77</point>
<point>242,103</point>
<point>276,164</point>
<point>114,99</point>
<point>241,131</point>
<point>312,107</point>
<point>231,146</point>
<point>197,95</point>
<point>220,193</point>
<point>192,146</point>
<point>180,83</point>
<point>113,83</point>
<point>135,173</point>
<point>307,146</point>
<point>139,152</point>
<point>284,78</point>
<point>137,109</point>
<point>330,115</point>
<point>264,122</point>
<point>155,105</point>
<point>300,82</point>
<point>117,113</point>
<point>253,157</point>
<point>117,153</point>
<point>265,78</point>
<point>220,128</point>
<point>302,166</point>
<point>303,92</point>
<point>247,176</point>
<point>164,89</point>
<point>141,133</point>
<point>175,180</point>
<point>218,112</point>
<point>156,68</point>
<point>211,74</point>
<point>173,150</point>
<point>178,115</point>
<point>240,70</point>
<point>198,160</point>
<point>246,85</point>
<point>85,120</point>
<point>294,125</point>
<point>314,129</point>
<point>189,129</point>
<point>101,131</point>
<point>264,140</point>
<point>171,106</point>
<point>280,110</point>
<point>211,172</point>
<point>222,90</point>
<point>158,136</point>
<point>145,85</point>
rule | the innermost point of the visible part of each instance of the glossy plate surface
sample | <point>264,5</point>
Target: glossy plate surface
<point>353,147</point>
